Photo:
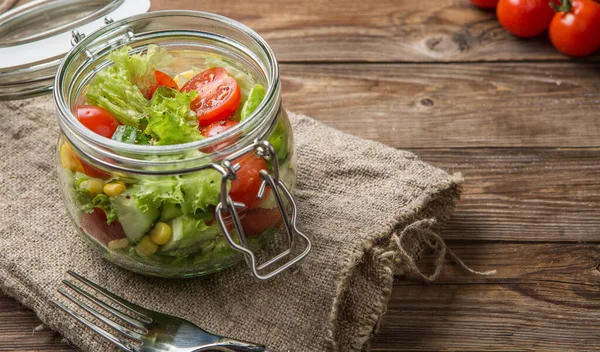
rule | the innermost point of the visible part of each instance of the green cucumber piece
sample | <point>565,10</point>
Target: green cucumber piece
<point>135,215</point>
<point>169,211</point>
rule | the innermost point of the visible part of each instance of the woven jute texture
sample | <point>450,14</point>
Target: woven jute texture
<point>369,209</point>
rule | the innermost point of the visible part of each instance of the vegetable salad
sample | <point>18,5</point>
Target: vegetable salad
<point>168,221</point>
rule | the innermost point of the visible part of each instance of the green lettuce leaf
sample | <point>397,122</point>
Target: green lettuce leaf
<point>255,97</point>
<point>140,67</point>
<point>171,121</point>
<point>131,135</point>
<point>159,190</point>
<point>194,193</point>
<point>279,141</point>
<point>112,90</point>
<point>102,201</point>
<point>122,87</point>
<point>200,190</point>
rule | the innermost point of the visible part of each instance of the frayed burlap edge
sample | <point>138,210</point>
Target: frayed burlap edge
<point>397,253</point>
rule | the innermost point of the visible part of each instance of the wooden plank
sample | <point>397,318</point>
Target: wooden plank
<point>378,30</point>
<point>17,330</point>
<point>452,105</point>
<point>522,194</point>
<point>544,297</point>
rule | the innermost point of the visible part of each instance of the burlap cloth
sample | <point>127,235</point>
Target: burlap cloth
<point>369,209</point>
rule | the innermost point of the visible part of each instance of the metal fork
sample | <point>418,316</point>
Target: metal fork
<point>153,331</point>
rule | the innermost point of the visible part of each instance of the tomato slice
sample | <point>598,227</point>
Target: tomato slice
<point>162,80</point>
<point>219,95</point>
<point>97,119</point>
<point>94,224</point>
<point>247,181</point>
<point>258,220</point>
<point>217,128</point>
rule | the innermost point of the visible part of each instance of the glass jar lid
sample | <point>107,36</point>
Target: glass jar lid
<point>35,37</point>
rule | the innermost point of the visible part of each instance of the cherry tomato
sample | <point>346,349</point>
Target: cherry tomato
<point>97,119</point>
<point>575,29</point>
<point>247,182</point>
<point>485,4</point>
<point>524,18</point>
<point>258,220</point>
<point>94,224</point>
<point>162,80</point>
<point>214,129</point>
<point>219,95</point>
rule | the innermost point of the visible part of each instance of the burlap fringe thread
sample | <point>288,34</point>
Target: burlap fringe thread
<point>410,245</point>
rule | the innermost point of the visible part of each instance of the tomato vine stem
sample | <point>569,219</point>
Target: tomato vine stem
<point>565,6</point>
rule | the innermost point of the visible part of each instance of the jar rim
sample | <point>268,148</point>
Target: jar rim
<point>100,142</point>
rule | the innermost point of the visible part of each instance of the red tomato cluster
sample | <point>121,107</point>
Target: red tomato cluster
<point>573,25</point>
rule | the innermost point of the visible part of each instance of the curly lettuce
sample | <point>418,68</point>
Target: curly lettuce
<point>171,121</point>
<point>122,88</point>
<point>140,67</point>
<point>194,193</point>
<point>102,201</point>
<point>112,90</point>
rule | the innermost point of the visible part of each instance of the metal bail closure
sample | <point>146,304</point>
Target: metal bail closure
<point>284,260</point>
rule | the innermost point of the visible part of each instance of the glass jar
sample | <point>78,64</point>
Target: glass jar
<point>167,210</point>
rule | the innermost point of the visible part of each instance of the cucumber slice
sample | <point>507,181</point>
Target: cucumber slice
<point>135,215</point>
<point>169,211</point>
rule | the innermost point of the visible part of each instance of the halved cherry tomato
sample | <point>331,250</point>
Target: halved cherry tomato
<point>162,80</point>
<point>219,95</point>
<point>97,119</point>
<point>524,18</point>
<point>575,28</point>
<point>247,182</point>
<point>94,224</point>
<point>214,129</point>
<point>485,4</point>
<point>258,220</point>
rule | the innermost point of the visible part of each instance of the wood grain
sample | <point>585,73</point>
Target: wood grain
<point>545,297</point>
<point>17,324</point>
<point>523,194</point>
<point>378,30</point>
<point>452,105</point>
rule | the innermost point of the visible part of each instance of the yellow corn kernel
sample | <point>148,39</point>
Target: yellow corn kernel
<point>93,186</point>
<point>118,244</point>
<point>113,189</point>
<point>161,233</point>
<point>69,160</point>
<point>146,247</point>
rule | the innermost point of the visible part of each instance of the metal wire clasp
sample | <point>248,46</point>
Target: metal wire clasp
<point>228,169</point>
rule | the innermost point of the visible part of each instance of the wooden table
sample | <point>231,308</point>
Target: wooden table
<point>520,121</point>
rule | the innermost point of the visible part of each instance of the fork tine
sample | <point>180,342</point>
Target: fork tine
<point>123,330</point>
<point>124,345</point>
<point>131,320</point>
<point>114,298</point>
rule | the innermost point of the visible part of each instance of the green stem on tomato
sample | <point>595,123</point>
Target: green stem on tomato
<point>565,6</point>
